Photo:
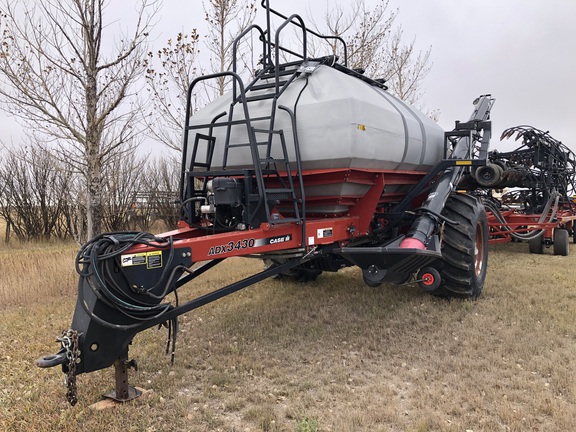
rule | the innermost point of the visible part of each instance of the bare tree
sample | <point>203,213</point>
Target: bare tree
<point>57,78</point>
<point>163,187</point>
<point>75,208</point>
<point>376,46</point>
<point>364,30</point>
<point>405,68</point>
<point>226,20</point>
<point>34,194</point>
<point>169,72</point>
<point>123,182</point>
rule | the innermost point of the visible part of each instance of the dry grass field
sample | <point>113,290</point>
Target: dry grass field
<point>333,355</point>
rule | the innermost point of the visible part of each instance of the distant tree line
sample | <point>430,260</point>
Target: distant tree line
<point>42,199</point>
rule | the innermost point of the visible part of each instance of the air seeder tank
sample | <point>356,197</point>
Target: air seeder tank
<point>309,167</point>
<point>342,123</point>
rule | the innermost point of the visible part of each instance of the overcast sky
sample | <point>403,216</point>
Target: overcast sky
<point>523,52</point>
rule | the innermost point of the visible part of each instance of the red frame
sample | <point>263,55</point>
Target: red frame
<point>320,229</point>
<point>523,223</point>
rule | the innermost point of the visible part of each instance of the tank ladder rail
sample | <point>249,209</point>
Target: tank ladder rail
<point>264,140</point>
<point>187,189</point>
<point>264,160</point>
<point>266,5</point>
<point>269,84</point>
<point>187,179</point>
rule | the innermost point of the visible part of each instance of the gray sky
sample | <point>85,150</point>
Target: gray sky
<point>523,52</point>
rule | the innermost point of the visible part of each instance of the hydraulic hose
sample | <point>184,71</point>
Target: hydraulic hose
<point>552,203</point>
<point>95,264</point>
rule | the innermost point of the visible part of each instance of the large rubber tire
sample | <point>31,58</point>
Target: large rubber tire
<point>561,242</point>
<point>464,248</point>
<point>536,245</point>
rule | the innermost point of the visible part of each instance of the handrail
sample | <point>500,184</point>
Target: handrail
<point>277,45</point>
<point>235,49</point>
<point>298,173</point>
<point>266,5</point>
<point>242,96</point>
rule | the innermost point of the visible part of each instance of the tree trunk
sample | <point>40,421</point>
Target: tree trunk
<point>94,209</point>
<point>7,236</point>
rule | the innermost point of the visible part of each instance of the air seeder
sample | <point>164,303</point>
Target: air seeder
<point>310,167</point>
<point>529,192</point>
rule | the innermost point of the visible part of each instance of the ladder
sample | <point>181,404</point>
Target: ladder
<point>267,144</point>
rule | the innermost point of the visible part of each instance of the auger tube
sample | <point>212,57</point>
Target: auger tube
<point>426,224</point>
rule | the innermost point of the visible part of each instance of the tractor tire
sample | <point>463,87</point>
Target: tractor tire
<point>536,245</point>
<point>561,242</point>
<point>464,248</point>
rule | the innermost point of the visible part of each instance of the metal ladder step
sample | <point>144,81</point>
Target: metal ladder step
<point>261,97</point>
<point>261,143</point>
<point>261,118</point>
<point>280,73</point>
<point>266,86</point>
<point>278,190</point>
<point>285,220</point>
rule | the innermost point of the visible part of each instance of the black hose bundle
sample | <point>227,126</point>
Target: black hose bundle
<point>96,263</point>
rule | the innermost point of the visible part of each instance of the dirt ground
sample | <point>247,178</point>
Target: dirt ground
<point>331,355</point>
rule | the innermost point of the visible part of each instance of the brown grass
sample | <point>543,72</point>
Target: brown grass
<point>334,354</point>
<point>33,273</point>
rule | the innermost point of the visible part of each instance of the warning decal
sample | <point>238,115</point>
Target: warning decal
<point>150,259</point>
<point>324,233</point>
<point>154,259</point>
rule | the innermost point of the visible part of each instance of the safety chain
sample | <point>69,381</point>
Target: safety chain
<point>69,341</point>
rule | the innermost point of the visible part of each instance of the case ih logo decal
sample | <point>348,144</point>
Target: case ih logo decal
<point>274,240</point>
<point>247,244</point>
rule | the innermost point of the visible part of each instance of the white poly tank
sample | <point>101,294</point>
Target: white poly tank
<point>342,122</point>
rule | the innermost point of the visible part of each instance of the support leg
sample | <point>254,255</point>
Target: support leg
<point>124,392</point>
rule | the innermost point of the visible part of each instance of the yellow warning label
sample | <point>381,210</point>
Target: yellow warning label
<point>361,127</point>
<point>154,259</point>
<point>463,162</point>
<point>150,259</point>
